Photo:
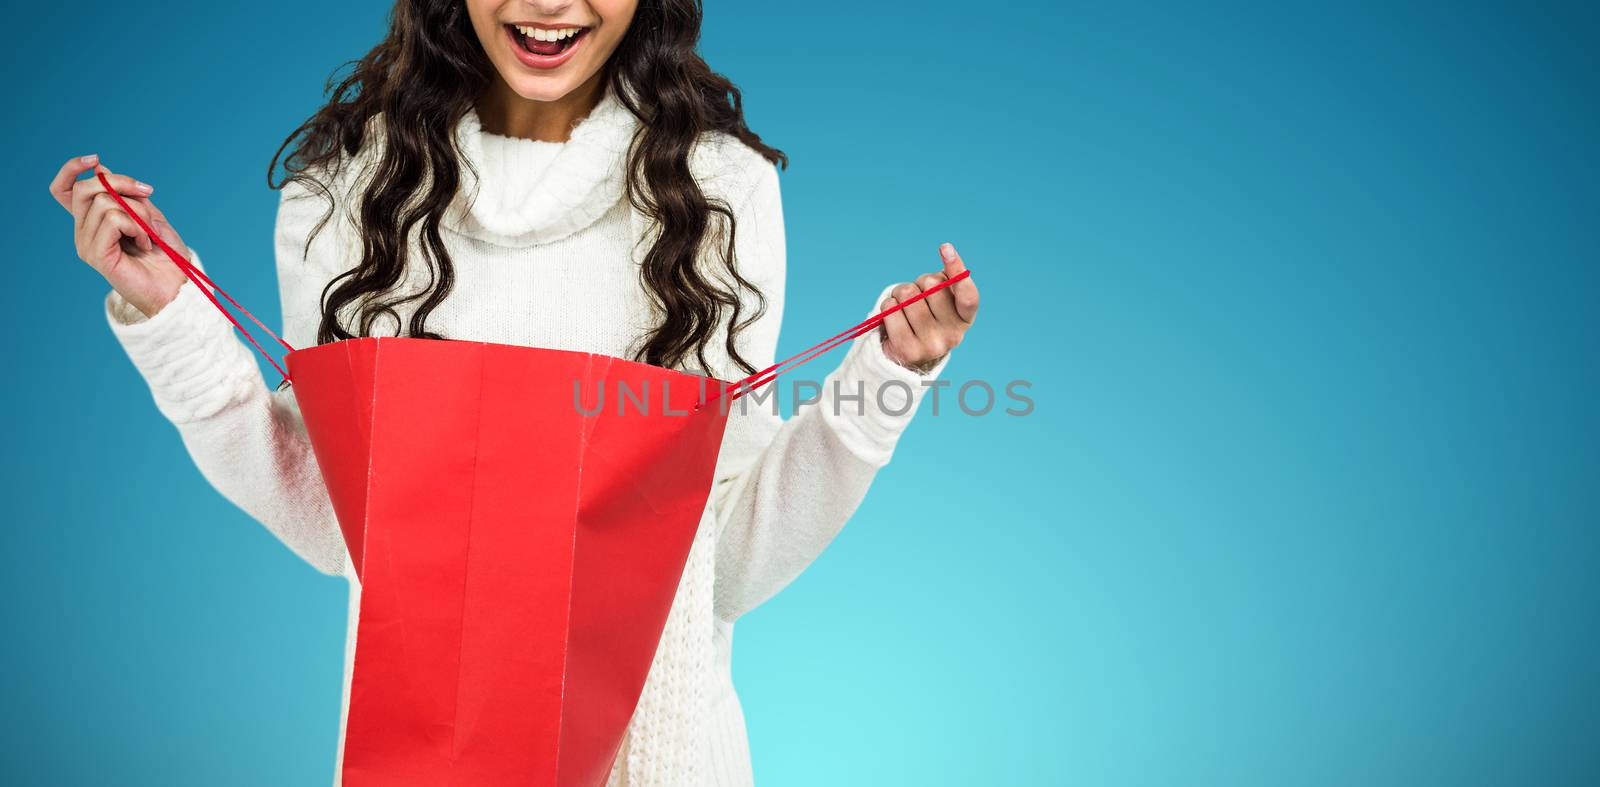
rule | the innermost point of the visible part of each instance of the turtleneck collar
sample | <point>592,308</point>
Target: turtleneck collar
<point>582,180</point>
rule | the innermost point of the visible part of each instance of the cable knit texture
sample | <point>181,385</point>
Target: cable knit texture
<point>547,251</point>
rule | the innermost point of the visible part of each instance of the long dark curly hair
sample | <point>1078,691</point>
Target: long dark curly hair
<point>426,75</point>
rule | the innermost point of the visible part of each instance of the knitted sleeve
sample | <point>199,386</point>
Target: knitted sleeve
<point>247,440</point>
<point>785,487</point>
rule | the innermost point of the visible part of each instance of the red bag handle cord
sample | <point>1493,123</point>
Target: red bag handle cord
<point>767,375</point>
<point>201,280</point>
<point>738,389</point>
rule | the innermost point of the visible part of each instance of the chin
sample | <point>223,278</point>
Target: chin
<point>537,89</point>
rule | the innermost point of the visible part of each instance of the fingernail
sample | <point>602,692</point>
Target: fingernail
<point>947,251</point>
<point>144,187</point>
<point>90,159</point>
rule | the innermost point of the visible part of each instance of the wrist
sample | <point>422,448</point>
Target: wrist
<point>155,296</point>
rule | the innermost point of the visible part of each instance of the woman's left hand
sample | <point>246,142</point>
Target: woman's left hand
<point>920,335</point>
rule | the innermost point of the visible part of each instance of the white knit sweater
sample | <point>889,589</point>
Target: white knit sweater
<point>545,256</point>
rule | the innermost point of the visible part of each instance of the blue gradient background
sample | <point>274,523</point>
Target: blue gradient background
<point>1308,295</point>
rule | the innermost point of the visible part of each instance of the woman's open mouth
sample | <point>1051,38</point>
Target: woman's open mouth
<point>545,47</point>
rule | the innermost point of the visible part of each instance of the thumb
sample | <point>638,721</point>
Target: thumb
<point>953,266</point>
<point>164,229</point>
<point>167,234</point>
<point>964,291</point>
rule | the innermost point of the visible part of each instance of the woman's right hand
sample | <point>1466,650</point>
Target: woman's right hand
<point>112,243</point>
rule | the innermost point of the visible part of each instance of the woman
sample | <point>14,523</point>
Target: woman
<point>571,175</point>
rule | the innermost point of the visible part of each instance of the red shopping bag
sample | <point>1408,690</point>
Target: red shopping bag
<point>517,555</point>
<point>519,519</point>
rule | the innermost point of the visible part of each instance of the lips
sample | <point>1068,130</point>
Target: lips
<point>545,47</point>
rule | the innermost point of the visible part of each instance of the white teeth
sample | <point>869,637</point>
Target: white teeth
<point>541,34</point>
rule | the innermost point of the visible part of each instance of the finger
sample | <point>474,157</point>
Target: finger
<point>104,208</point>
<point>106,243</point>
<point>899,331</point>
<point>84,191</point>
<point>61,184</point>
<point>941,303</point>
<point>152,215</point>
<point>965,291</point>
<point>125,185</point>
<point>125,224</point>
<point>140,207</point>
<point>917,314</point>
